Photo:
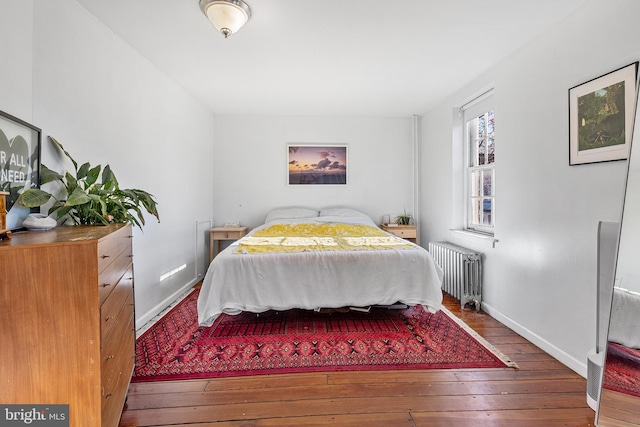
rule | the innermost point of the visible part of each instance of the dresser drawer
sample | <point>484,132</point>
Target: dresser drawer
<point>113,305</point>
<point>116,372</point>
<point>110,276</point>
<point>110,247</point>
<point>117,351</point>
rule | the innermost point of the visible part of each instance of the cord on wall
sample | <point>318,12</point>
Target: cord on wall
<point>416,130</point>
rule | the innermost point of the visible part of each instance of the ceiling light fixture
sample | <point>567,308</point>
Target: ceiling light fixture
<point>228,16</point>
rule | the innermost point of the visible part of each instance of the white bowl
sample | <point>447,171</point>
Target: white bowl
<point>38,222</point>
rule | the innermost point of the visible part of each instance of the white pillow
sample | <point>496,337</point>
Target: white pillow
<point>343,212</point>
<point>290,213</point>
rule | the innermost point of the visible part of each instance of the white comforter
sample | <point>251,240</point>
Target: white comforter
<point>237,282</point>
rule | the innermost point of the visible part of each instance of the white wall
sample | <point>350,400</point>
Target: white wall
<point>541,277</point>
<point>16,39</point>
<point>69,75</point>
<point>250,165</point>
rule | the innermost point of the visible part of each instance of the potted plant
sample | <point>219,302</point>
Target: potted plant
<point>405,219</point>
<point>91,197</point>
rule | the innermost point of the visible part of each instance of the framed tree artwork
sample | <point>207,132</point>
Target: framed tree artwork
<point>601,115</point>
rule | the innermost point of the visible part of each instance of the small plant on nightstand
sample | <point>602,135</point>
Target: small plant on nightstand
<point>404,219</point>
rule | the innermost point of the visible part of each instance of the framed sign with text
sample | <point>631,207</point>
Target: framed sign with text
<point>19,164</point>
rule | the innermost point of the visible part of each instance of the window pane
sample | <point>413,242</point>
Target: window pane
<point>472,137</point>
<point>476,183</point>
<point>491,148</point>
<point>491,145</point>
<point>490,121</point>
<point>487,212</point>
<point>481,152</point>
<point>482,212</point>
<point>476,212</point>
<point>487,183</point>
<point>482,137</point>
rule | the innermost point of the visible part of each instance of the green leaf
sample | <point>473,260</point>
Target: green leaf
<point>47,175</point>
<point>82,172</point>
<point>78,197</point>
<point>109,178</point>
<point>72,182</point>
<point>34,197</point>
<point>92,176</point>
<point>60,210</point>
<point>147,201</point>
<point>60,147</point>
<point>103,207</point>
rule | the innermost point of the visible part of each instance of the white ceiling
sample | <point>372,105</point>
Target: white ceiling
<point>330,57</point>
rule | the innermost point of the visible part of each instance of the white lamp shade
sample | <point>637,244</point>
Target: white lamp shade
<point>226,16</point>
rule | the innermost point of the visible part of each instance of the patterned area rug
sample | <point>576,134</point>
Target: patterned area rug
<point>176,348</point>
<point>622,370</point>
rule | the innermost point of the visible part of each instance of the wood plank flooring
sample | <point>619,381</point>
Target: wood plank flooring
<point>543,392</point>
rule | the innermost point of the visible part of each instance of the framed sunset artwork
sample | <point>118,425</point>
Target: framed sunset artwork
<point>317,164</point>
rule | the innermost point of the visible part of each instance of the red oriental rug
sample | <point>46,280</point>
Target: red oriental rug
<point>621,369</point>
<point>176,348</point>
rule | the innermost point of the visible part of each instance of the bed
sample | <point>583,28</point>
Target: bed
<point>314,259</point>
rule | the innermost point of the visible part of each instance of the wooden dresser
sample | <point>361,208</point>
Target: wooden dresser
<point>67,333</point>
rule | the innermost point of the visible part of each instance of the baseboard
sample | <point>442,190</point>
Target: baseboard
<point>580,367</point>
<point>148,316</point>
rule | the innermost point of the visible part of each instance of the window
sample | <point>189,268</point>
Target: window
<point>479,133</point>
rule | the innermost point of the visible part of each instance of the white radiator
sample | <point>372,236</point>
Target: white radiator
<point>462,271</point>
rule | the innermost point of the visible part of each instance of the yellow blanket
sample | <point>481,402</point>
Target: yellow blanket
<point>319,237</point>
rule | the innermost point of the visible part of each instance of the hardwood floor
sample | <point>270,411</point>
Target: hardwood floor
<point>542,392</point>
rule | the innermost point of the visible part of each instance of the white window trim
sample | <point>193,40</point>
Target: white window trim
<point>488,239</point>
<point>460,178</point>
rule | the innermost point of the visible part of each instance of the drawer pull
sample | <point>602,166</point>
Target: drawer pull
<point>106,319</point>
<point>107,395</point>
<point>111,356</point>
<point>105,285</point>
<point>105,256</point>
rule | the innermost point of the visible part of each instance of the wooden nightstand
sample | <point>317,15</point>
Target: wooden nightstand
<point>408,232</point>
<point>224,233</point>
